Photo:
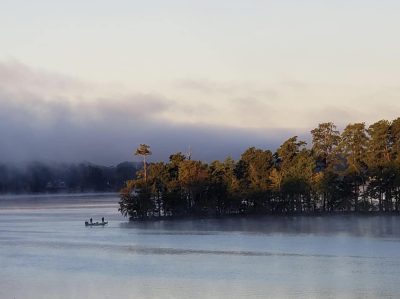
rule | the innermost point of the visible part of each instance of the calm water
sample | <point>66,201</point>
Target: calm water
<point>47,252</point>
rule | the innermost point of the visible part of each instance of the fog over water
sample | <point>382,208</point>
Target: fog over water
<point>49,117</point>
<point>84,83</point>
<point>44,245</point>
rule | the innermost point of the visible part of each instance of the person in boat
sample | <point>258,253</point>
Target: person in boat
<point>91,220</point>
<point>102,219</point>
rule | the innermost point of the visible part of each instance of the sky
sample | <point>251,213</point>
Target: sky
<point>90,80</point>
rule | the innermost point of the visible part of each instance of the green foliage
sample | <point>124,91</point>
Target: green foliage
<point>258,165</point>
<point>353,146</point>
<point>143,150</point>
<point>395,140</point>
<point>325,140</point>
<point>358,170</point>
<point>378,151</point>
<point>135,200</point>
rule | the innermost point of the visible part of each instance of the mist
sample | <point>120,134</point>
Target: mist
<point>49,117</point>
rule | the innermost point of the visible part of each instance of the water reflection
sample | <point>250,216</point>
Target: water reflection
<point>48,250</point>
<point>359,226</point>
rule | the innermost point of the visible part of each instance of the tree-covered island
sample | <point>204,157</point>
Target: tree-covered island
<point>357,170</point>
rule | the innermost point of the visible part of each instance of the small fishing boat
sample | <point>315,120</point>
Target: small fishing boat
<point>96,223</point>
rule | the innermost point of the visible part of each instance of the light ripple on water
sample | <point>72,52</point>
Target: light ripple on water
<point>46,252</point>
<point>137,249</point>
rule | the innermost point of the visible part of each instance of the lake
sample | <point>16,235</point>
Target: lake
<point>47,252</point>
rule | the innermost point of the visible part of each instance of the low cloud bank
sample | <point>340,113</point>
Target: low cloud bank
<point>48,117</point>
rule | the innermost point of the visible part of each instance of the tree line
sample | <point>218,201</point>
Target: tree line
<point>356,170</point>
<point>38,177</point>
